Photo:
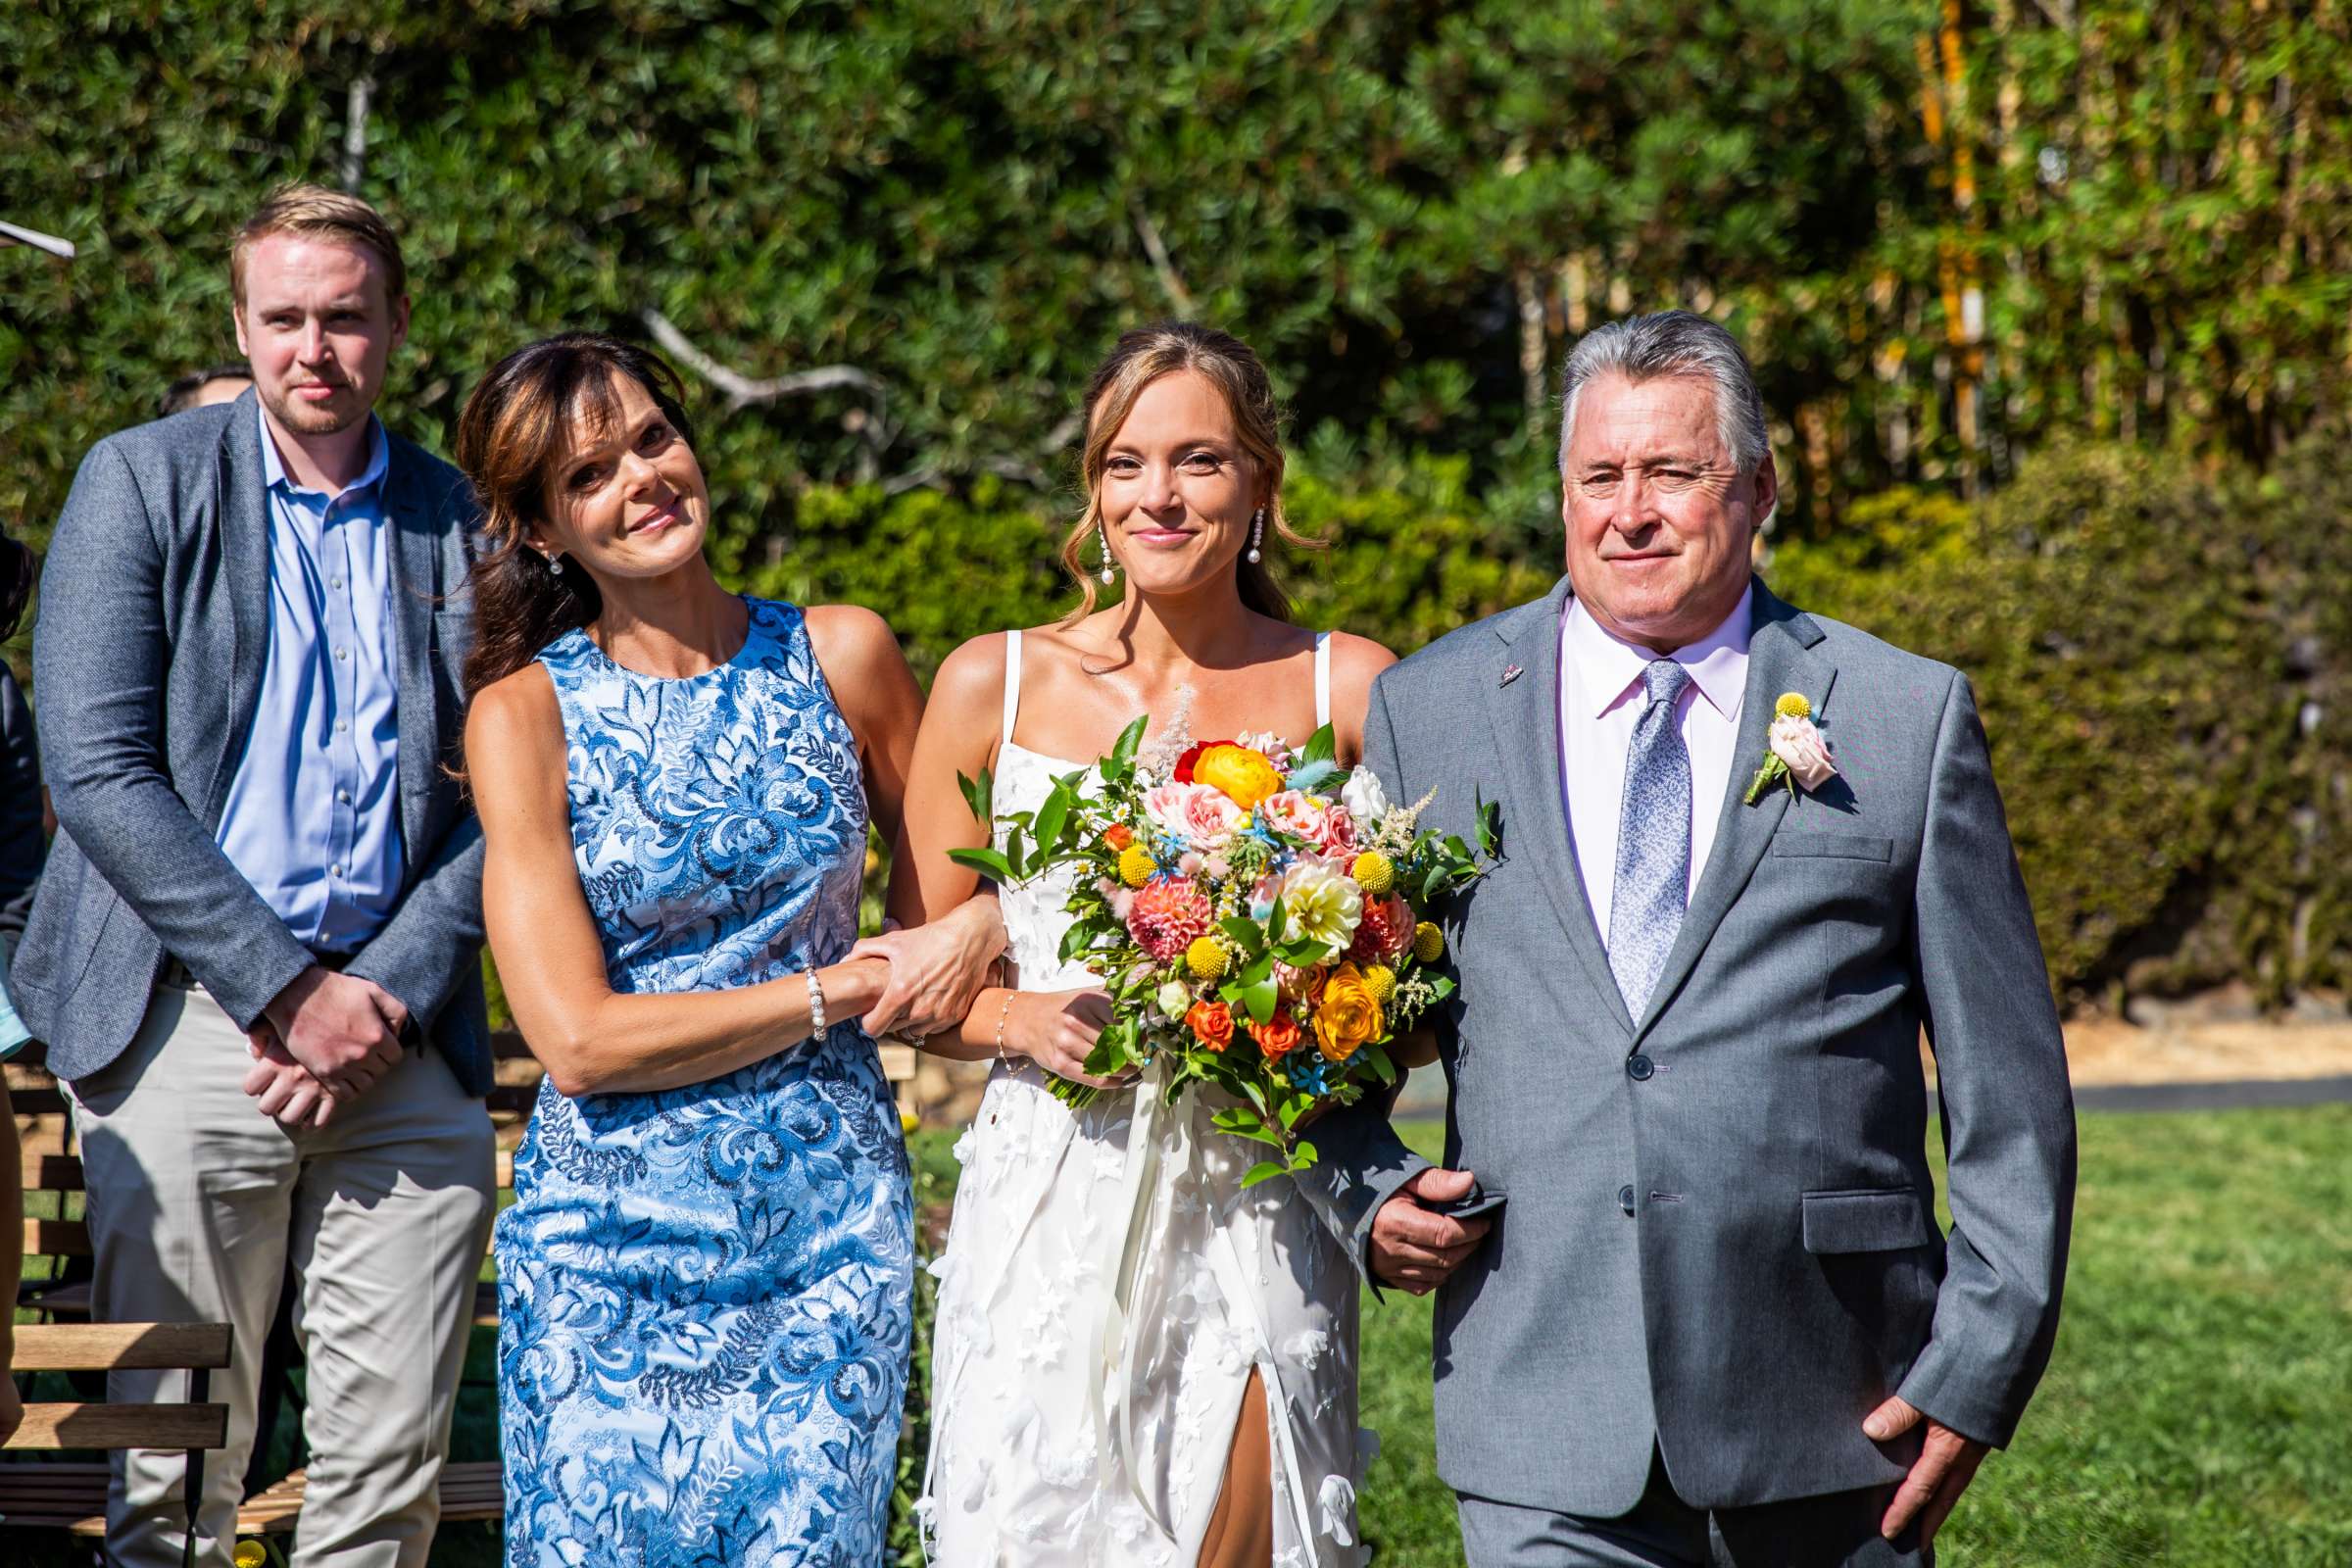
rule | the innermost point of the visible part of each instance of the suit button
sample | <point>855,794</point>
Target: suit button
<point>1639,1067</point>
<point>1625,1199</point>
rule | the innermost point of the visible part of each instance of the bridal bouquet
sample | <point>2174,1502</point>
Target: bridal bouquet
<point>1256,916</point>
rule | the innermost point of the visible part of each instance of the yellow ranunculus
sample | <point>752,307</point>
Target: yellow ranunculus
<point>1244,775</point>
<point>1429,943</point>
<point>1136,865</point>
<point>1348,1016</point>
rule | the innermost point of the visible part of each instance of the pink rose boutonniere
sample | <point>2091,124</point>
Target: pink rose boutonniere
<point>1795,753</point>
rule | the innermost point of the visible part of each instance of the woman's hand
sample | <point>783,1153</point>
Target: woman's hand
<point>1057,1030</point>
<point>935,970</point>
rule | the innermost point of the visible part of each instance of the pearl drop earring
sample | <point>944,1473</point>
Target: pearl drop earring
<point>1257,535</point>
<point>555,565</point>
<point>1109,567</point>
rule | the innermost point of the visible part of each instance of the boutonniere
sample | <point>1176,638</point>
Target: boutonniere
<point>1794,750</point>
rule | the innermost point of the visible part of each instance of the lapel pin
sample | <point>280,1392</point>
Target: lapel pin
<point>1510,673</point>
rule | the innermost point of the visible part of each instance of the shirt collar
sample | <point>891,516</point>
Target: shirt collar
<point>1609,667</point>
<point>274,469</point>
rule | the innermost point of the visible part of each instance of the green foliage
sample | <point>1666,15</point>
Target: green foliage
<point>2160,653</point>
<point>1410,210</point>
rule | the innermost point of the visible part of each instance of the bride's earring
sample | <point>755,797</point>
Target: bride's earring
<point>1109,569</point>
<point>555,565</point>
<point>1257,535</point>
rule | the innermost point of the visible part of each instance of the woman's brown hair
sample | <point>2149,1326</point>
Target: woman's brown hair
<point>1140,357</point>
<point>515,428</point>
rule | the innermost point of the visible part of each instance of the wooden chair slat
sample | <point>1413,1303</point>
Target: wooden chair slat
<point>70,1300</point>
<point>54,1497</point>
<point>121,1426</point>
<point>50,1102</point>
<point>51,1171</point>
<point>56,1237</point>
<point>43,1135</point>
<point>125,1346</point>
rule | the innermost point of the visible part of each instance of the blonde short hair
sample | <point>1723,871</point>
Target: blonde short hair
<point>314,212</point>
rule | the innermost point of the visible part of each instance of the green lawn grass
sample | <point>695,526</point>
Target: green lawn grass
<point>2198,1410</point>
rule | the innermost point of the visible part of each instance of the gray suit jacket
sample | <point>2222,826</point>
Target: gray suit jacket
<point>1719,1233</point>
<point>147,663</point>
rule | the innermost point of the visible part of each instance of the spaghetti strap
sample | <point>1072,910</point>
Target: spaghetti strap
<point>1013,683</point>
<point>1322,682</point>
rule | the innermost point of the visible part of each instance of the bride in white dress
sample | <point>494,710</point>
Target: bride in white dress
<point>1136,1362</point>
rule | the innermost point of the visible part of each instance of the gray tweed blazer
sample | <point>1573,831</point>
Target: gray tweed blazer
<point>1720,1235</point>
<point>147,669</point>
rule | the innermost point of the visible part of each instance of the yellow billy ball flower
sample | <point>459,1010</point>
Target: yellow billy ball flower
<point>1373,872</point>
<point>250,1554</point>
<point>1793,704</point>
<point>909,1121</point>
<point>1205,959</point>
<point>1429,943</point>
<point>1381,981</point>
<point>1136,865</point>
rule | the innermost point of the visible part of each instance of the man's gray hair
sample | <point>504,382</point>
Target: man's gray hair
<point>1642,348</point>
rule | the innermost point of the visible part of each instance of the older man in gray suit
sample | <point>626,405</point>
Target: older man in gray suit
<point>255,955</point>
<point>1714,1321</point>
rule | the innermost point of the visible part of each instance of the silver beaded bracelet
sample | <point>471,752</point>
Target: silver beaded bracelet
<point>816,1005</point>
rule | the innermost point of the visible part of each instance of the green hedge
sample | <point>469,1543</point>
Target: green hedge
<point>2161,651</point>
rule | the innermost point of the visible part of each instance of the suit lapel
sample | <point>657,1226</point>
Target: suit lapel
<point>242,510</point>
<point>415,546</point>
<point>1780,659</point>
<point>1526,715</point>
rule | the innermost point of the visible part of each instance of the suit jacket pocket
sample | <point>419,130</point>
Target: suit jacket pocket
<point>1833,845</point>
<point>1881,1220</point>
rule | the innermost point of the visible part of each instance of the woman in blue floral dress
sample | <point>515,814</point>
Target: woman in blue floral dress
<point>705,1283</point>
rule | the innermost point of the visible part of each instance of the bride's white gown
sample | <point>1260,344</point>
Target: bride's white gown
<point>1066,1430</point>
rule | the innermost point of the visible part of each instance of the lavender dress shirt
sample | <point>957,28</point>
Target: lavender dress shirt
<point>313,815</point>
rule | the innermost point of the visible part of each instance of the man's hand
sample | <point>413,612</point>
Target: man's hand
<point>1947,1464</point>
<point>344,1029</point>
<point>935,970</point>
<point>284,1087</point>
<point>1415,1249</point>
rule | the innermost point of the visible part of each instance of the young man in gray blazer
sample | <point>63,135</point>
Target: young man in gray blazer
<point>1713,1321</point>
<point>255,954</point>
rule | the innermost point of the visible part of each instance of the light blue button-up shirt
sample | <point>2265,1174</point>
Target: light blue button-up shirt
<point>313,818</point>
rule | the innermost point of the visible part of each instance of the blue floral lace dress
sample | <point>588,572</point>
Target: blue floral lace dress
<point>705,1294</point>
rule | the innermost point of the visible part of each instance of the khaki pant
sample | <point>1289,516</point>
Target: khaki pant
<point>198,1202</point>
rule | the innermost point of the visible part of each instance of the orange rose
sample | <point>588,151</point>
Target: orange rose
<point>1118,835</point>
<point>1278,1036</point>
<point>1212,1022</point>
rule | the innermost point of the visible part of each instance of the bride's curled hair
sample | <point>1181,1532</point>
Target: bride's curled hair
<point>514,430</point>
<point>1140,357</point>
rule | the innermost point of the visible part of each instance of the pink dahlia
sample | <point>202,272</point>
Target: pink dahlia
<point>1384,933</point>
<point>1168,914</point>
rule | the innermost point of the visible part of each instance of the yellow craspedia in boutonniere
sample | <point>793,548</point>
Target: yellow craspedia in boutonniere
<point>1348,1016</point>
<point>1793,704</point>
<point>1243,775</point>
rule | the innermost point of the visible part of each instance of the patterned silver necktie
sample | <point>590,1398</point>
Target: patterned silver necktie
<point>1653,841</point>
